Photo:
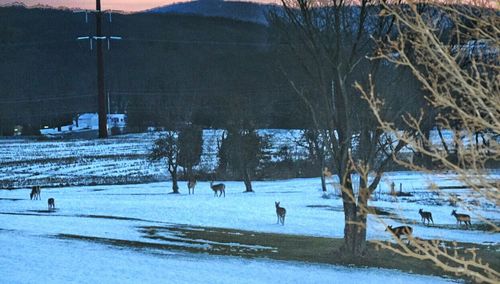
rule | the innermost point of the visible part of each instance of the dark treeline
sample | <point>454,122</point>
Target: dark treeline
<point>167,69</point>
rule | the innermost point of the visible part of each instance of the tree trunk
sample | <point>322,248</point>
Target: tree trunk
<point>355,219</point>
<point>426,159</point>
<point>443,141</point>
<point>247,181</point>
<point>175,186</point>
<point>354,231</point>
<point>323,182</point>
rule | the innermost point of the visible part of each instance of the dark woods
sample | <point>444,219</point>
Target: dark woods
<point>209,71</point>
<point>168,69</point>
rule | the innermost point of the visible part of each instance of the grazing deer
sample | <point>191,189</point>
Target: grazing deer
<point>461,218</point>
<point>399,231</point>
<point>218,187</point>
<point>191,185</point>
<point>280,213</point>
<point>426,216</point>
<point>52,203</point>
<point>35,192</point>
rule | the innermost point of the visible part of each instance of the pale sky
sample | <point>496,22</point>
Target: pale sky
<point>125,5</point>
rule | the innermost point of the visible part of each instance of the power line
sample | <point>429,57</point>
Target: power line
<point>34,43</point>
<point>44,99</point>
<point>201,42</point>
<point>165,41</point>
<point>148,93</point>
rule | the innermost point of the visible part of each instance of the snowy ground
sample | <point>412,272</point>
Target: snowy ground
<point>27,162</point>
<point>119,159</point>
<point>32,251</point>
<point>31,259</point>
<point>307,212</point>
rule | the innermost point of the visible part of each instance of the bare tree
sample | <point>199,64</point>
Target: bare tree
<point>454,54</point>
<point>243,149</point>
<point>166,148</point>
<point>331,40</point>
<point>315,145</point>
<point>190,148</point>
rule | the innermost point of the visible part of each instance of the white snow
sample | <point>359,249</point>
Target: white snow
<point>120,159</point>
<point>307,212</point>
<point>32,259</point>
<point>31,253</point>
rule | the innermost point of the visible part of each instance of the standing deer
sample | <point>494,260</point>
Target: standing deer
<point>35,192</point>
<point>401,230</point>
<point>426,216</point>
<point>462,218</point>
<point>191,185</point>
<point>218,187</point>
<point>280,213</point>
<point>52,203</point>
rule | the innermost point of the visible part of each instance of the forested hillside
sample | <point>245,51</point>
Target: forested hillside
<point>167,68</point>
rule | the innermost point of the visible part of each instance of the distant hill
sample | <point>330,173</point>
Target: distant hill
<point>166,67</point>
<point>244,11</point>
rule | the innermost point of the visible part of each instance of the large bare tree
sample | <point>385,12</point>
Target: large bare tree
<point>331,42</point>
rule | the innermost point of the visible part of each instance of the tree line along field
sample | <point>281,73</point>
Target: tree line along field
<point>121,159</point>
<point>124,159</point>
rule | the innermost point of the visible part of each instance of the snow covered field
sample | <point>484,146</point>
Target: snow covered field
<point>33,251</point>
<point>307,212</point>
<point>30,259</point>
<point>64,245</point>
<point>120,159</point>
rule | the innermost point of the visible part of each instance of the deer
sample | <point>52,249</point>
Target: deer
<point>52,203</point>
<point>218,187</point>
<point>426,216</point>
<point>35,192</point>
<point>191,184</point>
<point>461,218</point>
<point>401,230</point>
<point>280,213</point>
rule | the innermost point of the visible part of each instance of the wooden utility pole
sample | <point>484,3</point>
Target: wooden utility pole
<point>99,38</point>
<point>101,97</point>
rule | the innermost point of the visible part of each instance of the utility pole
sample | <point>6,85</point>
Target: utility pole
<point>99,38</point>
<point>101,98</point>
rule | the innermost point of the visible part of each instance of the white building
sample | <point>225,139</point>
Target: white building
<point>89,122</point>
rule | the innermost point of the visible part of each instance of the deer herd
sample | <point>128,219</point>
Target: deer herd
<point>219,190</point>
<point>426,216</point>
<point>35,194</point>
